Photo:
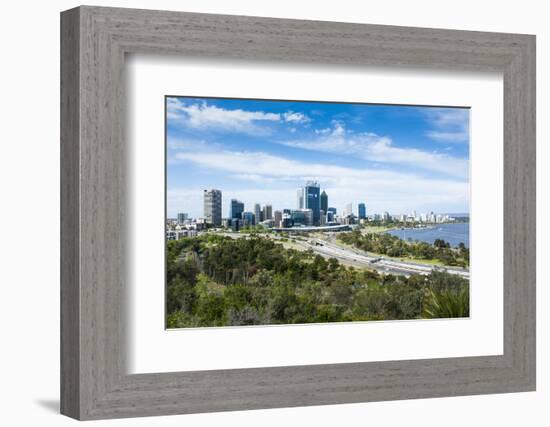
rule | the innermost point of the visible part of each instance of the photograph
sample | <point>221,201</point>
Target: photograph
<point>263,215</point>
<point>299,212</point>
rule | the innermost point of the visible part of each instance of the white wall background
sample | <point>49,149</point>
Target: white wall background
<point>29,212</point>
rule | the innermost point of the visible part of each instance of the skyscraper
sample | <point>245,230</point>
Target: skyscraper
<point>258,213</point>
<point>362,210</point>
<point>300,198</point>
<point>213,207</point>
<point>268,212</point>
<point>277,217</point>
<point>349,209</point>
<point>248,219</point>
<point>236,209</point>
<point>312,200</point>
<point>323,219</point>
<point>324,201</point>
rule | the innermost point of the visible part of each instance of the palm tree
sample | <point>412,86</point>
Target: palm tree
<point>445,304</point>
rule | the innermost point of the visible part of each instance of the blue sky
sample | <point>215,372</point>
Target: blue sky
<point>393,158</point>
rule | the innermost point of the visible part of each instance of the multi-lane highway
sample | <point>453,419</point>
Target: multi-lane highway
<point>327,248</point>
<point>361,259</point>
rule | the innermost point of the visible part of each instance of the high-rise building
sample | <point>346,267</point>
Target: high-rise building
<point>323,219</point>
<point>236,209</point>
<point>248,219</point>
<point>387,216</point>
<point>277,217</point>
<point>182,217</point>
<point>300,198</point>
<point>349,209</point>
<point>362,210</point>
<point>236,224</point>
<point>324,201</point>
<point>312,200</point>
<point>258,213</point>
<point>333,210</point>
<point>302,217</point>
<point>213,207</point>
<point>268,212</point>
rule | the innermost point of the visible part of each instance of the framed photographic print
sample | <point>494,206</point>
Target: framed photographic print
<point>262,213</point>
<point>268,233</point>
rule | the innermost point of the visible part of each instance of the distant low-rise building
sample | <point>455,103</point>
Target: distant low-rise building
<point>182,217</point>
<point>180,234</point>
<point>287,221</point>
<point>303,217</point>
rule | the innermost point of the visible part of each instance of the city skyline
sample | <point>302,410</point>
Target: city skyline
<point>392,158</point>
<point>237,207</point>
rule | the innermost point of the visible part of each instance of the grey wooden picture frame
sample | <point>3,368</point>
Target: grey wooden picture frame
<point>94,42</point>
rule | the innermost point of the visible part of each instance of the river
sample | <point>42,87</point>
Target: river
<point>454,233</point>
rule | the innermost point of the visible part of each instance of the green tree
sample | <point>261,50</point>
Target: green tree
<point>446,304</point>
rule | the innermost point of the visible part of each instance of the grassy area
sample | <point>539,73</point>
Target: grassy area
<point>419,261</point>
<point>377,228</point>
<point>403,259</point>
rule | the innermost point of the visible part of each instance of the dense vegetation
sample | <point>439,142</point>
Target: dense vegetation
<point>393,246</point>
<point>215,281</point>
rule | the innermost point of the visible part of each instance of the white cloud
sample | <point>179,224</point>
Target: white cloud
<point>451,125</point>
<point>383,151</point>
<point>265,174</point>
<point>443,117</point>
<point>202,116</point>
<point>375,148</point>
<point>184,143</point>
<point>448,136</point>
<point>293,117</point>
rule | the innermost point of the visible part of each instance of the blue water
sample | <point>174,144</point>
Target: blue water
<point>452,233</point>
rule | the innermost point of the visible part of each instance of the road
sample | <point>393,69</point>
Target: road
<point>357,258</point>
<point>361,259</point>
